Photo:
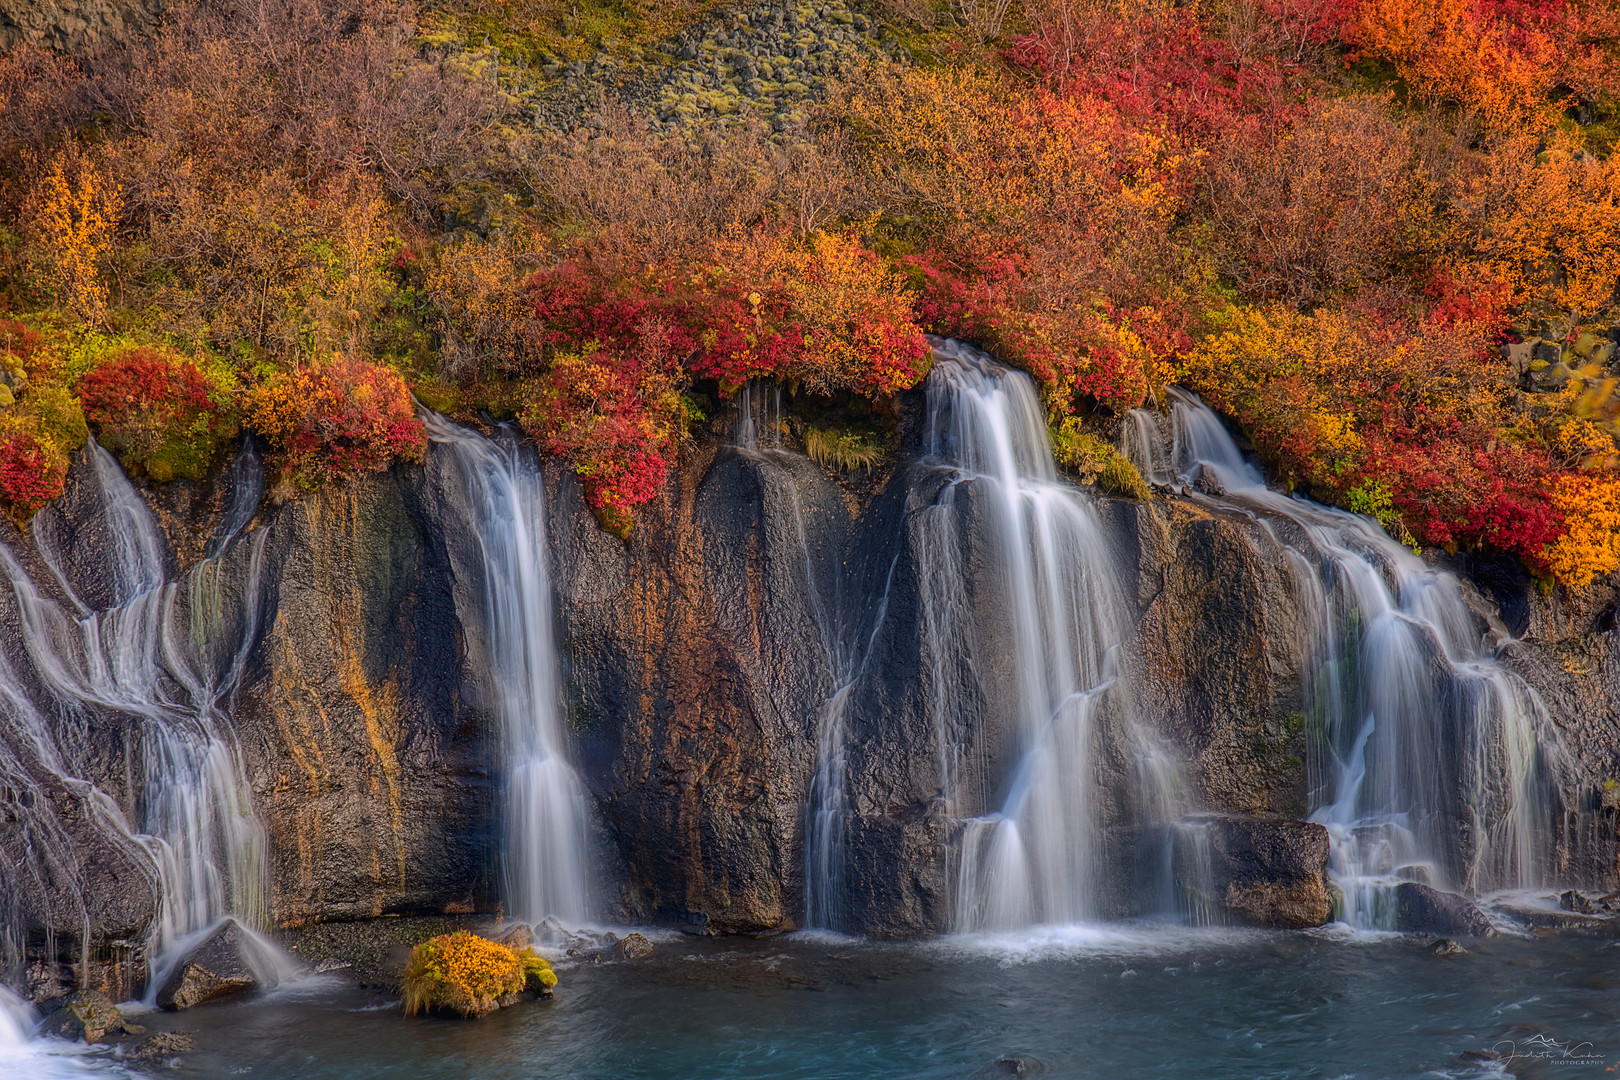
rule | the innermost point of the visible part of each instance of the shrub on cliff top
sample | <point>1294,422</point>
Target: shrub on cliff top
<point>31,474</point>
<point>159,412</point>
<point>461,973</point>
<point>325,423</point>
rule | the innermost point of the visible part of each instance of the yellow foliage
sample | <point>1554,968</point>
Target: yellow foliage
<point>461,973</point>
<point>1590,544</point>
<point>76,214</point>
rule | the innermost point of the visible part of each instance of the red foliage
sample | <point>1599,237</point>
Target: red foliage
<point>30,475</point>
<point>17,343</point>
<point>145,381</point>
<point>1165,73</point>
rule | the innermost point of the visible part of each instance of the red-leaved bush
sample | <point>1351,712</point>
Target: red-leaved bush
<point>158,412</point>
<point>30,475</point>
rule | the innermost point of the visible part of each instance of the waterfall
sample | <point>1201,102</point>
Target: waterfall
<point>156,652</point>
<point>547,811</point>
<point>1430,768</point>
<point>1038,858</point>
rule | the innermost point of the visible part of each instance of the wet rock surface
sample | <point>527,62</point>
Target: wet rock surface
<point>87,1016</point>
<point>1420,909</point>
<point>1260,872</point>
<point>218,967</point>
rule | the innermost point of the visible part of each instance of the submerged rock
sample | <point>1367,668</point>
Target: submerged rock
<point>1420,909</point>
<point>1447,947</point>
<point>164,1046</point>
<point>214,969</point>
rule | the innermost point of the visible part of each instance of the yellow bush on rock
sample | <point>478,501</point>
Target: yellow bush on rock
<point>462,973</point>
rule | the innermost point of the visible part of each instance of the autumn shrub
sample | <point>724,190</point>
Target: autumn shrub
<point>1320,207</point>
<point>1589,545</point>
<point>615,418</point>
<point>460,973</point>
<point>32,472</point>
<point>1343,400</point>
<point>73,216</point>
<point>159,412</point>
<point>1514,62</point>
<point>325,423</point>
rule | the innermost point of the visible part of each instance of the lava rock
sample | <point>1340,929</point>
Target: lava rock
<point>1570,900</point>
<point>520,936</point>
<point>87,1016</point>
<point>1420,909</point>
<point>633,947</point>
<point>163,1047</point>
<point>215,969</point>
<point>1263,872</point>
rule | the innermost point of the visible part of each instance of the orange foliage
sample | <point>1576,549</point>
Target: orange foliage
<point>76,209</point>
<point>1511,60</point>
<point>1590,544</point>
<point>330,422</point>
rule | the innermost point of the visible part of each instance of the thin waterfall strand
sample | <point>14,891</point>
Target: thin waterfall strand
<point>547,811</point>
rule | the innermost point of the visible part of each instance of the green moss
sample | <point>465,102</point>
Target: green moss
<point>1094,461</point>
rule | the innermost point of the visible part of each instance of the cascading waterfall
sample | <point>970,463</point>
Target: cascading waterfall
<point>1038,858</point>
<point>547,810</point>
<point>159,654</point>
<point>1432,770</point>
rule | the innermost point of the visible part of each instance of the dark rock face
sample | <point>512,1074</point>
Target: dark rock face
<point>694,668</point>
<point>369,770</point>
<point>1422,910</point>
<point>1260,872</point>
<point>216,968</point>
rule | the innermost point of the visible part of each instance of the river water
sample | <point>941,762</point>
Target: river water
<point>1119,1003</point>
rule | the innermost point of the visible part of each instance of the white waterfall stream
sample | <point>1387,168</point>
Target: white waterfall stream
<point>162,654</point>
<point>1432,771</point>
<point>547,810</point>
<point>1038,857</point>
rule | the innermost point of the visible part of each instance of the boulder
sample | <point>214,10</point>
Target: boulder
<point>215,969</point>
<point>1420,909</point>
<point>87,1016</point>
<point>633,947</point>
<point>163,1047</point>
<point>1257,871</point>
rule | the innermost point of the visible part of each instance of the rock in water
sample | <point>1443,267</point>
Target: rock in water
<point>633,947</point>
<point>1261,871</point>
<point>163,1047</point>
<point>1447,947</point>
<point>217,968</point>
<point>518,937</point>
<point>88,1016</point>
<point>1422,910</point>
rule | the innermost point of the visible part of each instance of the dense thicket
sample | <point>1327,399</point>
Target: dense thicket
<point>1381,235</point>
